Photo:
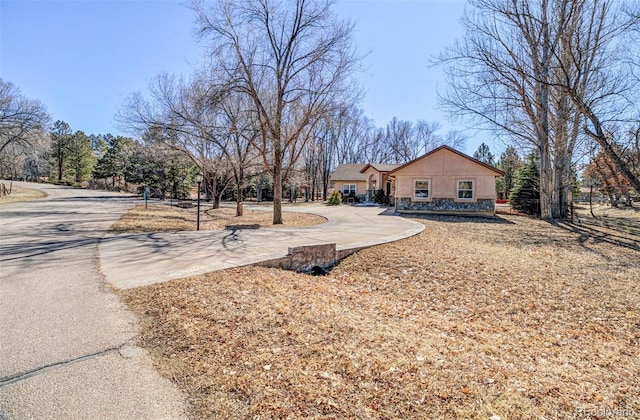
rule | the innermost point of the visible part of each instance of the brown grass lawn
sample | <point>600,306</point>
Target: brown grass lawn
<point>605,210</point>
<point>469,319</point>
<point>163,218</point>
<point>621,224</point>
<point>21,194</point>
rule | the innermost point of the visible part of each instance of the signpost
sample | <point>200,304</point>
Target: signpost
<point>146,196</point>
<point>199,181</point>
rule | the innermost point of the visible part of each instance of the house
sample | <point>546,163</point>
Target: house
<point>445,181</point>
<point>350,181</point>
<point>360,181</point>
<point>377,177</point>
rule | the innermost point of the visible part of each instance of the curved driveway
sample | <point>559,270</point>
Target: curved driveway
<point>67,345</point>
<point>131,260</point>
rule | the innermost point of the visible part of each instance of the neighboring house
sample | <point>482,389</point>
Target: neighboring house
<point>585,195</point>
<point>445,181</point>
<point>350,181</point>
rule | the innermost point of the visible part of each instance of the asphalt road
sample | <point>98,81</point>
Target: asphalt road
<point>66,341</point>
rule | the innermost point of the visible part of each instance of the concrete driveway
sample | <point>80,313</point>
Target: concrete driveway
<point>131,260</point>
<point>66,341</point>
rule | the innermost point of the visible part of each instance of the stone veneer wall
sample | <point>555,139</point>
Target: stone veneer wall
<point>304,258</point>
<point>445,205</point>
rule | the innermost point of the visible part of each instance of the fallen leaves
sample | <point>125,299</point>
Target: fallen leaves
<point>465,320</point>
<point>165,218</point>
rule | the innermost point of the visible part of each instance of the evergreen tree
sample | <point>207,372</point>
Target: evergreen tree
<point>60,138</point>
<point>116,159</point>
<point>525,196</point>
<point>162,170</point>
<point>509,163</point>
<point>483,154</point>
<point>80,157</point>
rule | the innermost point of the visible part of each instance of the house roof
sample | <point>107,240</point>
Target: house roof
<point>451,149</point>
<point>380,167</point>
<point>349,172</point>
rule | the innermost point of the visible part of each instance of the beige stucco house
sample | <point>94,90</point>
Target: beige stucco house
<point>445,181</point>
<point>349,180</point>
<point>361,181</point>
<point>377,176</point>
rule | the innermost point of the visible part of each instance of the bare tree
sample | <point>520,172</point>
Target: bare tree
<point>179,115</point>
<point>453,138</point>
<point>23,129</point>
<point>593,74</point>
<point>19,116</point>
<point>540,71</point>
<point>291,59</point>
<point>236,136</point>
<point>404,145</point>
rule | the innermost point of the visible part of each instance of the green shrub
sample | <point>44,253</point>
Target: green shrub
<point>381,197</point>
<point>335,199</point>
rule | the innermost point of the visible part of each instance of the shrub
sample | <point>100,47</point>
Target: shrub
<point>335,199</point>
<point>381,197</point>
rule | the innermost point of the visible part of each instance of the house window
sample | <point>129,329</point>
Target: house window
<point>465,190</point>
<point>348,189</point>
<point>421,189</point>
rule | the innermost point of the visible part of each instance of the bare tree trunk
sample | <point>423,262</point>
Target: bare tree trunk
<point>217,197</point>
<point>214,193</point>
<point>60,165</point>
<point>239,182</point>
<point>277,193</point>
<point>546,184</point>
<point>591,201</point>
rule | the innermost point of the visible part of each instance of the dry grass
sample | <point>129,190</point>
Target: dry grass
<point>619,225</point>
<point>19,194</point>
<point>468,319</point>
<point>605,210</point>
<point>164,218</point>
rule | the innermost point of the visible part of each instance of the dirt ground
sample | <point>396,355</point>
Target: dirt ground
<point>20,194</point>
<point>473,318</point>
<point>164,218</point>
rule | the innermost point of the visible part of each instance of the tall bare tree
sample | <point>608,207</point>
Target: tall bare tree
<point>500,72</point>
<point>236,135</point>
<point>19,116</point>
<point>292,59</point>
<point>182,115</point>
<point>535,70</point>
<point>593,73</point>
<point>23,129</point>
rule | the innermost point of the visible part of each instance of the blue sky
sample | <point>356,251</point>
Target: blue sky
<point>83,58</point>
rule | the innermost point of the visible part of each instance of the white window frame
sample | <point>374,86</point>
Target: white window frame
<point>347,191</point>
<point>473,190</point>
<point>429,193</point>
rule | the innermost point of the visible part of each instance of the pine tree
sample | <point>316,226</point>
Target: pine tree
<point>115,161</point>
<point>80,157</point>
<point>483,154</point>
<point>60,138</point>
<point>525,196</point>
<point>509,163</point>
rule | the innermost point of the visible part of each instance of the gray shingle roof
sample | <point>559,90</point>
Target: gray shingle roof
<point>349,172</point>
<point>384,167</point>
